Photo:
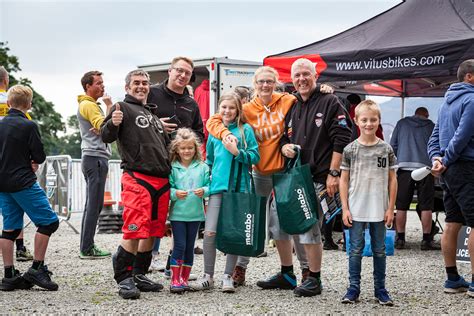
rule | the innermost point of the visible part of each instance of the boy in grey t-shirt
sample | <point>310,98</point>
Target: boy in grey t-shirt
<point>368,189</point>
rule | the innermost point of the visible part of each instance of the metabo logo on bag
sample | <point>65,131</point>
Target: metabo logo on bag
<point>249,226</point>
<point>304,205</point>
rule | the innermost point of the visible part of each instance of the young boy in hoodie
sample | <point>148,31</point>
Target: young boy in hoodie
<point>451,149</point>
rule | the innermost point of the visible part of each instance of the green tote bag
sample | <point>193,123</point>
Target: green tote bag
<point>241,224</point>
<point>296,202</point>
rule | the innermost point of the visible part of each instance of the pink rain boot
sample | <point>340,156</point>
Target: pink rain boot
<point>175,285</point>
<point>185,272</point>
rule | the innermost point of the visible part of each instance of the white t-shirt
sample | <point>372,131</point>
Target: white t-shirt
<point>369,168</point>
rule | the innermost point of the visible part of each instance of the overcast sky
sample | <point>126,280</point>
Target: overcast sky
<point>58,41</point>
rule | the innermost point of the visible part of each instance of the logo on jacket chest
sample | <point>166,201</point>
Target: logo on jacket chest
<point>141,121</point>
<point>319,119</point>
<point>268,125</point>
<point>144,120</point>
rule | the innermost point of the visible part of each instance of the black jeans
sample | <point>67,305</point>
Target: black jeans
<point>95,171</point>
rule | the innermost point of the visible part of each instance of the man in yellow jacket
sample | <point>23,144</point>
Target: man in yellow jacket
<point>95,157</point>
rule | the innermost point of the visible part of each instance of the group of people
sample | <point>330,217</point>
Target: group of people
<point>159,131</point>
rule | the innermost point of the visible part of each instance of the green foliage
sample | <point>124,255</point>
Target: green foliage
<point>10,63</point>
<point>48,120</point>
<point>43,113</point>
<point>70,144</point>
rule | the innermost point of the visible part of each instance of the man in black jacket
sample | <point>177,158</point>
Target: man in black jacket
<point>142,143</point>
<point>320,126</point>
<point>21,150</point>
<point>176,108</point>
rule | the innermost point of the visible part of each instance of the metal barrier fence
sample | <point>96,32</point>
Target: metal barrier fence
<point>62,179</point>
<point>78,198</point>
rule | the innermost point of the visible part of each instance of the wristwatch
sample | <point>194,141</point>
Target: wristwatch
<point>334,173</point>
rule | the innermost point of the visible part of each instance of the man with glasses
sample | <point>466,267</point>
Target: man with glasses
<point>176,108</point>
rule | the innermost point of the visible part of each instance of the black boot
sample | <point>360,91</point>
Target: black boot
<point>122,262</point>
<point>140,267</point>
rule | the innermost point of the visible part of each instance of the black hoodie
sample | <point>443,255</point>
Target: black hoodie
<point>184,109</point>
<point>141,140</point>
<point>321,126</point>
<point>20,143</point>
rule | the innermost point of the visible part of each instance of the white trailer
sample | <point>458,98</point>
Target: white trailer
<point>223,74</point>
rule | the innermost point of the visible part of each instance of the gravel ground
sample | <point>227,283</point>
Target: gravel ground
<point>414,279</point>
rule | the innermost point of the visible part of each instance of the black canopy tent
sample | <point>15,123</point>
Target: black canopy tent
<point>412,49</point>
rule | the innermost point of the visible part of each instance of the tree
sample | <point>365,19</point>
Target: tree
<point>70,144</point>
<point>49,121</point>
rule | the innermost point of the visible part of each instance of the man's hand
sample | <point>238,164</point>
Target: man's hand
<point>332,185</point>
<point>181,194</point>
<point>288,151</point>
<point>169,127</point>
<point>437,168</point>
<point>347,218</point>
<point>230,138</point>
<point>34,166</point>
<point>94,130</point>
<point>199,192</point>
<point>231,146</point>
<point>107,99</point>
<point>117,116</point>
<point>388,218</point>
<point>326,88</point>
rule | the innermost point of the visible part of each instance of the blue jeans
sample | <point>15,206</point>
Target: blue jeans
<point>184,236</point>
<point>357,240</point>
<point>156,245</point>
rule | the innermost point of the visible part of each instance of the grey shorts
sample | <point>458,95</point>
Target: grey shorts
<point>212,214</point>
<point>312,236</point>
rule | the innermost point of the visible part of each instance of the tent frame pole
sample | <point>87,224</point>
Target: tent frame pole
<point>403,95</point>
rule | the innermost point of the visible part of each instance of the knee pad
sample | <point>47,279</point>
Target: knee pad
<point>11,235</point>
<point>48,230</point>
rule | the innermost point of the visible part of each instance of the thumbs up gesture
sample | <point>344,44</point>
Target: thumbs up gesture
<point>117,115</point>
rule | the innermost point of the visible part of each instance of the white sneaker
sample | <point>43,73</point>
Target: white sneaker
<point>228,284</point>
<point>193,277</point>
<point>204,283</point>
<point>157,265</point>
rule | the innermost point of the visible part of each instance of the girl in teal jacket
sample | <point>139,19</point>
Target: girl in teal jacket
<point>220,155</point>
<point>189,181</point>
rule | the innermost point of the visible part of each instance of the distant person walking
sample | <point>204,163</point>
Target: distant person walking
<point>409,142</point>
